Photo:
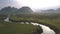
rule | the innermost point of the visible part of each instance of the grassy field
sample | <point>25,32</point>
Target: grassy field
<point>28,29</point>
<point>52,20</point>
<point>11,28</point>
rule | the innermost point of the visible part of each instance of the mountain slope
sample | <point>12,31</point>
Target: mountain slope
<point>24,10</point>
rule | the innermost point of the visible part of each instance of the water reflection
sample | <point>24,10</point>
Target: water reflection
<point>26,22</point>
<point>7,19</point>
<point>22,22</point>
<point>46,29</point>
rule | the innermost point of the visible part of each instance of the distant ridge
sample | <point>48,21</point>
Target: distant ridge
<point>49,11</point>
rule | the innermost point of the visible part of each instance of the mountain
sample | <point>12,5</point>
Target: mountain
<point>50,11</point>
<point>13,10</point>
<point>24,10</point>
<point>8,10</point>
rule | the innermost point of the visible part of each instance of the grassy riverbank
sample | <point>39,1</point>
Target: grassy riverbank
<point>11,28</point>
<point>15,28</point>
<point>52,20</point>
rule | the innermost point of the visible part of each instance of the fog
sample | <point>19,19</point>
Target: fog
<point>34,4</point>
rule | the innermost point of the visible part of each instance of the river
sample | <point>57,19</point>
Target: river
<point>46,29</point>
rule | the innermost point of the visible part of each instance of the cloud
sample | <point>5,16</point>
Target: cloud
<point>34,4</point>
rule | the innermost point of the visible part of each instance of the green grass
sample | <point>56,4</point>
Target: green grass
<point>11,28</point>
<point>27,29</point>
<point>54,21</point>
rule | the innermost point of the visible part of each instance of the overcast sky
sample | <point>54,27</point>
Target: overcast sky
<point>34,4</point>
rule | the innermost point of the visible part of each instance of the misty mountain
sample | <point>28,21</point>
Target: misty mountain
<point>50,11</point>
<point>24,10</point>
<point>13,10</point>
<point>8,10</point>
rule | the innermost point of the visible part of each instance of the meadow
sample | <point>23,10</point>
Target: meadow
<point>11,28</point>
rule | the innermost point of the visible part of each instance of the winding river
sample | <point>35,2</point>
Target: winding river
<point>46,29</point>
